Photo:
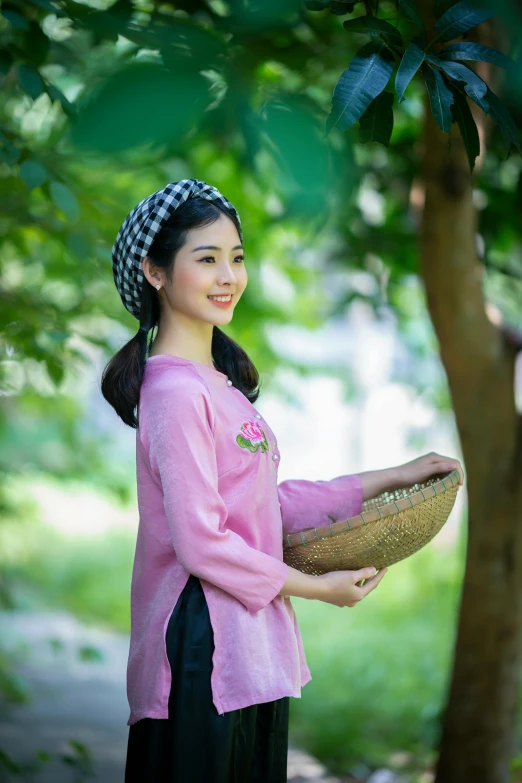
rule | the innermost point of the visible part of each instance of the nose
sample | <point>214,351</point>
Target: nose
<point>227,274</point>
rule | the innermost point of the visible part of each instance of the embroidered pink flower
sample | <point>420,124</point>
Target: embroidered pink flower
<point>252,436</point>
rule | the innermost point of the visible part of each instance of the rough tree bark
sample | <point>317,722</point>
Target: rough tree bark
<point>478,733</point>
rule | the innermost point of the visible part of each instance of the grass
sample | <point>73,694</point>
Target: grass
<point>89,576</point>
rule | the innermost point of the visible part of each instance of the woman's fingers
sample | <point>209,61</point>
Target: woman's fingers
<point>371,583</point>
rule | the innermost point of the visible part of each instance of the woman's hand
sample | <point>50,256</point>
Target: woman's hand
<point>422,468</point>
<point>343,588</point>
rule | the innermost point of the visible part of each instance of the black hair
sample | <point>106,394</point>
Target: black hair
<point>122,377</point>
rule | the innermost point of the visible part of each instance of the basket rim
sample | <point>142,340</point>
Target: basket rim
<point>410,500</point>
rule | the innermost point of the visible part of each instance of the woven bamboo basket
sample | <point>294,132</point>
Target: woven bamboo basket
<point>390,527</point>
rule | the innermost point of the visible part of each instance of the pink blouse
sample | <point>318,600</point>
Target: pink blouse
<point>210,505</point>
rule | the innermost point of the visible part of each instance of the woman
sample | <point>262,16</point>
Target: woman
<point>215,650</point>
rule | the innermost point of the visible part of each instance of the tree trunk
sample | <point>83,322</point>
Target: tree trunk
<point>478,730</point>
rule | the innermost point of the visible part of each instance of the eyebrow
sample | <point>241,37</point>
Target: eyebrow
<point>214,247</point>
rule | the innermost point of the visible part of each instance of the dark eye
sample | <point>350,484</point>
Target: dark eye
<point>211,258</point>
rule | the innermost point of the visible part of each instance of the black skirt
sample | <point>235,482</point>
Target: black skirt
<point>196,744</point>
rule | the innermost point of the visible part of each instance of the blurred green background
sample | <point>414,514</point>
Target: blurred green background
<point>104,103</point>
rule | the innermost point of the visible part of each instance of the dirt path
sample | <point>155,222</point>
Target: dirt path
<point>75,675</point>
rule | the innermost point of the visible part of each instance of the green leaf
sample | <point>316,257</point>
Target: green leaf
<point>376,124</point>
<point>367,76</point>
<point>373,26</point>
<point>18,21</point>
<point>6,61</point>
<point>472,51</point>
<point>87,652</point>
<point>30,80</point>
<point>440,97</point>
<point>140,105</point>
<point>57,95</point>
<point>411,61</point>
<point>33,173</point>
<point>341,8</point>
<point>48,6</point>
<point>468,129</point>
<point>493,107</point>
<point>55,368</point>
<point>9,152</point>
<point>410,9</point>
<point>461,73</point>
<point>459,19</point>
<point>36,45</point>
<point>64,200</point>
<point>501,116</point>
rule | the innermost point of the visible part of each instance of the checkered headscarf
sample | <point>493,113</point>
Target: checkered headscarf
<point>140,227</point>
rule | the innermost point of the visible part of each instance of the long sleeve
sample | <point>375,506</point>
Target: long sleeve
<point>307,504</point>
<point>183,455</point>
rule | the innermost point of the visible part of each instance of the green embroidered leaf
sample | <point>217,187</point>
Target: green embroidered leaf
<point>376,124</point>
<point>440,97</point>
<point>473,51</point>
<point>411,61</point>
<point>468,129</point>
<point>366,77</point>
<point>460,18</point>
<point>246,444</point>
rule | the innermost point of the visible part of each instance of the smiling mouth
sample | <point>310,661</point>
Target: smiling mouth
<point>226,298</point>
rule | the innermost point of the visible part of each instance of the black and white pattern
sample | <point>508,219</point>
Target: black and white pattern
<point>141,225</point>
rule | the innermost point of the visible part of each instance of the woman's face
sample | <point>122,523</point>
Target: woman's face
<point>209,263</point>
